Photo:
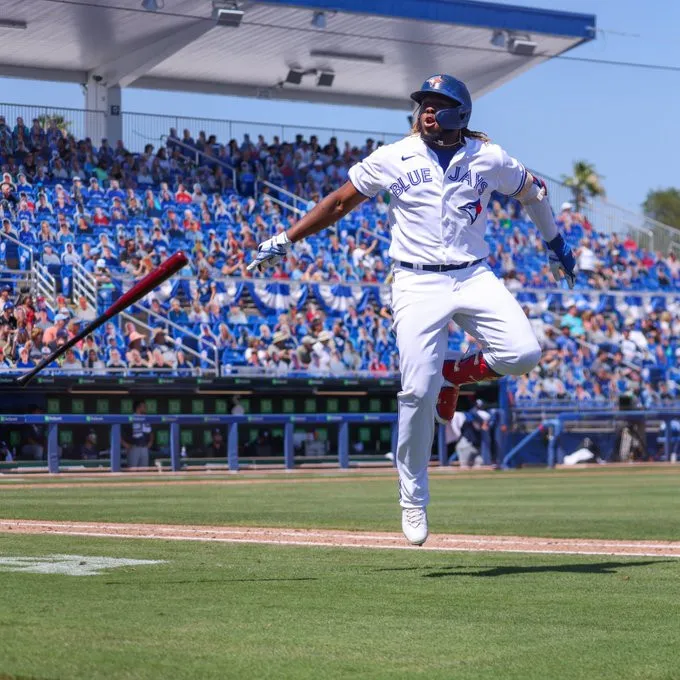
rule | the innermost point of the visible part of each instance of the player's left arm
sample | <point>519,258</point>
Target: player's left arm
<point>534,198</point>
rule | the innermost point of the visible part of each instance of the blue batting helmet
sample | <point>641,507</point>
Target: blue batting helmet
<point>456,117</point>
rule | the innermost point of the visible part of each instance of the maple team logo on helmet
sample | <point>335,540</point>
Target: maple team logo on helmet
<point>458,116</point>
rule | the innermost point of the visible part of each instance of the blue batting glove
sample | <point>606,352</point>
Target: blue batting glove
<point>561,260</point>
<point>270,252</point>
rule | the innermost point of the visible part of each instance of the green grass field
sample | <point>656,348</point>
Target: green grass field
<point>260,611</point>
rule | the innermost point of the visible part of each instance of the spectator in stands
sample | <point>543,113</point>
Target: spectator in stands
<point>102,273</point>
<point>71,362</point>
<point>24,362</point>
<point>115,360</point>
<point>7,318</point>
<point>84,312</point>
<point>183,367</point>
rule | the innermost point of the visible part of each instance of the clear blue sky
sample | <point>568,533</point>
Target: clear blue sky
<point>625,120</point>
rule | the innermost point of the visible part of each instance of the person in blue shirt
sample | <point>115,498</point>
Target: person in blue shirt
<point>24,362</point>
<point>114,191</point>
<point>95,191</point>
<point>27,235</point>
<point>565,341</point>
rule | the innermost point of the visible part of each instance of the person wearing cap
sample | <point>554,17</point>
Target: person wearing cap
<point>472,427</point>
<point>305,350</point>
<point>217,447</point>
<point>281,341</point>
<point>7,318</point>
<point>25,362</point>
<point>138,438</point>
<point>158,238</point>
<point>89,450</point>
<point>101,272</point>
<point>94,190</point>
<point>50,334</point>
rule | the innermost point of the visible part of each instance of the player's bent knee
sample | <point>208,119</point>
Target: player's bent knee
<point>526,359</point>
<point>518,360</point>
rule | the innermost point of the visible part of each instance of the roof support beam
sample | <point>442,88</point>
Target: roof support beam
<point>127,68</point>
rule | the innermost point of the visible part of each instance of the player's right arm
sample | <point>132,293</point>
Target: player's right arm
<point>327,212</point>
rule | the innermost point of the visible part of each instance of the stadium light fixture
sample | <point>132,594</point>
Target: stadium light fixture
<point>349,56</point>
<point>294,76</point>
<point>520,44</point>
<point>523,47</point>
<point>11,23</point>
<point>319,20</point>
<point>227,14</point>
<point>325,79</point>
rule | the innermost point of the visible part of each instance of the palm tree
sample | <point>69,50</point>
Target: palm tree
<point>585,182</point>
<point>46,118</point>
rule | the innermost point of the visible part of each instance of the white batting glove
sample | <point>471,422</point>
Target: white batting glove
<point>270,252</point>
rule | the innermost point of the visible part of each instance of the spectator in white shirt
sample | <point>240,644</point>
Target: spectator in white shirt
<point>70,256</point>
<point>586,258</point>
<point>84,311</point>
<point>49,256</point>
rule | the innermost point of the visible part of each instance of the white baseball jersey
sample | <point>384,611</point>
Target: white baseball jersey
<point>438,217</point>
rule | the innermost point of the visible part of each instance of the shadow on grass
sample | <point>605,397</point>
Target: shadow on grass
<point>486,572</point>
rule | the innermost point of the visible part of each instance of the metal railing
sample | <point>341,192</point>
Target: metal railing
<point>24,252</point>
<point>213,364</point>
<point>291,201</point>
<point>84,285</point>
<point>43,283</point>
<point>142,128</point>
<point>554,427</point>
<point>198,154</point>
<point>614,219</point>
<point>228,423</point>
<point>152,126</point>
<point>15,278</point>
<point>76,122</point>
<point>167,323</point>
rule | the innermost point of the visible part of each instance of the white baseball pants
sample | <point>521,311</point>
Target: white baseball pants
<point>423,303</point>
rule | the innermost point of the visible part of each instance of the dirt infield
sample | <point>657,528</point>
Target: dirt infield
<point>345,539</point>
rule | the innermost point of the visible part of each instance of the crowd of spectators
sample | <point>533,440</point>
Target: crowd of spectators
<point>119,214</point>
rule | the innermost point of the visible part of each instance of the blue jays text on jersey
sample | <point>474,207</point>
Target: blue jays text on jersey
<point>424,175</point>
<point>413,178</point>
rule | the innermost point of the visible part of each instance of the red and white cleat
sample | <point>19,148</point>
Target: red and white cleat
<point>470,369</point>
<point>446,404</point>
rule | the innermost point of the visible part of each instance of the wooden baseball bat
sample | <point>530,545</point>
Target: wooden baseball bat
<point>153,279</point>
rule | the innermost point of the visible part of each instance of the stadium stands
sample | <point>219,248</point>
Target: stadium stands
<point>109,216</point>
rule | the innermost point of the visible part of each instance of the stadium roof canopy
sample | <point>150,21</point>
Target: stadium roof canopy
<point>376,50</point>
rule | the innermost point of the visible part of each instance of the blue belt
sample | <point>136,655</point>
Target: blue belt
<point>440,267</point>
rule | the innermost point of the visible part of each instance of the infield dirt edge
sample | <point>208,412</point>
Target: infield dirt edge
<point>344,539</point>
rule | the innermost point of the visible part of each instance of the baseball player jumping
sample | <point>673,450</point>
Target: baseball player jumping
<point>440,179</point>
